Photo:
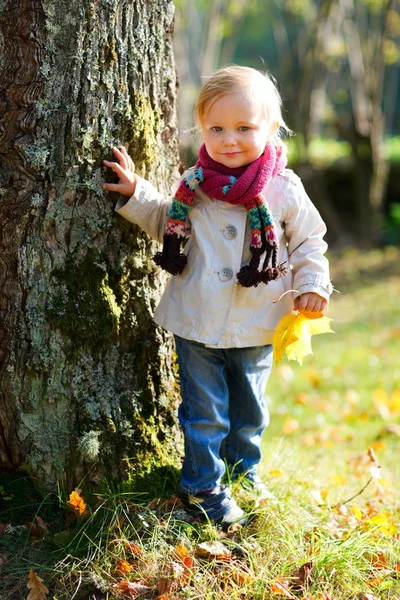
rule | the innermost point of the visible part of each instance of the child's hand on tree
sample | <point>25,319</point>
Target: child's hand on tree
<point>125,169</point>
<point>311,303</point>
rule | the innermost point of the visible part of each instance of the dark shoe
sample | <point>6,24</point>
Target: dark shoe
<point>216,505</point>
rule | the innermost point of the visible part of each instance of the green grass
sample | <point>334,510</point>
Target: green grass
<point>325,416</point>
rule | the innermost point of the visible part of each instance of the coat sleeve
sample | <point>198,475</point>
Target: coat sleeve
<point>146,208</point>
<point>305,230</point>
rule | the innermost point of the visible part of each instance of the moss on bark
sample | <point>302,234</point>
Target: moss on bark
<point>82,304</point>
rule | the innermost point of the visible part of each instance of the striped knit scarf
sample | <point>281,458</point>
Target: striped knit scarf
<point>243,186</point>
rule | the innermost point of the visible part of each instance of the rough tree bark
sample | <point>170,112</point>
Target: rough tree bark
<point>86,378</point>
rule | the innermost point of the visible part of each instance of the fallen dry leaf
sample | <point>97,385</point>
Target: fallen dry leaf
<point>165,504</point>
<point>235,527</point>
<point>212,550</point>
<point>165,586</point>
<point>123,567</point>
<point>42,525</point>
<point>386,405</point>
<point>301,578</point>
<point>131,588</point>
<point>384,522</point>
<point>319,496</point>
<point>375,467</point>
<point>379,445</point>
<point>76,502</point>
<point>38,528</point>
<point>172,580</point>
<point>134,548</point>
<point>281,588</point>
<point>38,591</point>
<point>241,577</point>
<point>375,582</point>
<point>181,551</point>
<point>379,561</point>
<point>183,554</point>
<point>356,512</point>
<point>369,596</point>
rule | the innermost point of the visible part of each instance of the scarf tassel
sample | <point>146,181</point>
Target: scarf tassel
<point>171,259</point>
<point>274,271</point>
<point>249,275</point>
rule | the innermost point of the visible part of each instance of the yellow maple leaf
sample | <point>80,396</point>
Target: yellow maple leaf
<point>384,522</point>
<point>275,473</point>
<point>293,335</point>
<point>395,401</point>
<point>356,512</point>
<point>37,589</point>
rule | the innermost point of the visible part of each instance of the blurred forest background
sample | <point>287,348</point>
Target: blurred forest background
<point>337,67</point>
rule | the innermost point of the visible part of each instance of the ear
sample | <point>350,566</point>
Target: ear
<point>274,128</point>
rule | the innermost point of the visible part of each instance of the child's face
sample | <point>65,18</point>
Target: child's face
<point>235,130</point>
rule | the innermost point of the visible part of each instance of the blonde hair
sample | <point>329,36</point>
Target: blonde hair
<point>255,84</point>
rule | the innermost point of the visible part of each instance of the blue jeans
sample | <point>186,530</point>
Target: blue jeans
<point>223,413</point>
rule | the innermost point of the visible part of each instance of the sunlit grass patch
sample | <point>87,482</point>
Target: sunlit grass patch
<point>293,544</point>
<point>330,459</point>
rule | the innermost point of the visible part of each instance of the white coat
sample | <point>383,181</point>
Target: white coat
<point>205,303</point>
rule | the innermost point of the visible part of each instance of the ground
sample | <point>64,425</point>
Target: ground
<point>330,459</point>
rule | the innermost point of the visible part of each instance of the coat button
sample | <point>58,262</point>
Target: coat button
<point>225,274</point>
<point>230,232</point>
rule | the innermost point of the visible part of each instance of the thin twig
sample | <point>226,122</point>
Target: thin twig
<point>355,495</point>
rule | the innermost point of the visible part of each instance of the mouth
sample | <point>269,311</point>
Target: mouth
<point>228,154</point>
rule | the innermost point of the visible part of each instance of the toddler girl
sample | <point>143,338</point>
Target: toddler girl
<point>252,234</point>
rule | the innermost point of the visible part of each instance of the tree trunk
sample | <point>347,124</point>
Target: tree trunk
<point>86,377</point>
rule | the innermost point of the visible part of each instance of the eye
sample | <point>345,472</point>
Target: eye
<point>216,128</point>
<point>244,128</point>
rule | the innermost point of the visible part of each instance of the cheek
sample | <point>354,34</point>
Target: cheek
<point>208,139</point>
<point>262,141</point>
<point>259,141</point>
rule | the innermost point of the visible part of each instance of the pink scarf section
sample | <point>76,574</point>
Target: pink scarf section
<point>250,179</point>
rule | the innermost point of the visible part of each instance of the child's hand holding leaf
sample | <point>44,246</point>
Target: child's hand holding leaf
<point>311,303</point>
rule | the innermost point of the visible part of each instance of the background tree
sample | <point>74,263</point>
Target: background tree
<point>365,127</point>
<point>337,66</point>
<point>206,37</point>
<point>86,377</point>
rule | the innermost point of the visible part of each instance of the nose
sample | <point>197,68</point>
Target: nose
<point>229,139</point>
